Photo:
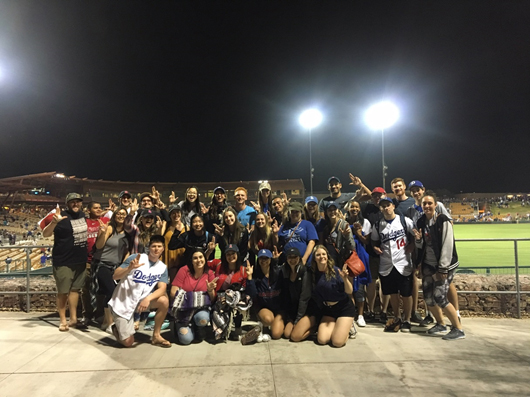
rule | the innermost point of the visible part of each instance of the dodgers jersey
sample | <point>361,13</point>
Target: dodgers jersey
<point>393,242</point>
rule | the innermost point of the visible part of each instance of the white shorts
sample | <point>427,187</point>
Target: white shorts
<point>125,327</point>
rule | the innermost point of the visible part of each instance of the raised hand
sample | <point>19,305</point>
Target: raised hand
<point>211,244</point>
<point>134,206</point>
<point>344,272</point>
<point>172,198</point>
<point>355,180</point>
<point>204,210</point>
<point>57,216</point>
<point>275,227</point>
<point>212,285</point>
<point>255,205</point>
<point>135,263</point>
<point>158,223</point>
<point>220,230</point>
<point>286,201</point>
<point>155,194</point>
<point>250,270</point>
<point>103,227</point>
<point>417,234</point>
<point>269,217</point>
<point>346,231</point>
<point>275,253</point>
<point>112,205</point>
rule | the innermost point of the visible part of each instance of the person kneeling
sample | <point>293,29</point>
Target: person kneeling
<point>143,281</point>
<point>332,287</point>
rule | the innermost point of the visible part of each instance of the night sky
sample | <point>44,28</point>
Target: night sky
<point>211,91</point>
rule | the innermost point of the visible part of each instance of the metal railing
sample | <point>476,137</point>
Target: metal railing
<point>517,291</point>
<point>28,249</point>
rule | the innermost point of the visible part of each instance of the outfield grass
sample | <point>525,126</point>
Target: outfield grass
<point>495,253</point>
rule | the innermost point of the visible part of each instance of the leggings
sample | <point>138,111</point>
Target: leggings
<point>106,283</point>
<point>435,292</point>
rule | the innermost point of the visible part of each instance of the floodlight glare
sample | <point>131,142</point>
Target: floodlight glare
<point>382,115</point>
<point>310,119</point>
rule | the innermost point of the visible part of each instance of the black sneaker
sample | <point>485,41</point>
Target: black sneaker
<point>393,325</point>
<point>251,336</point>
<point>405,327</point>
<point>416,318</point>
<point>454,334</point>
<point>235,334</point>
<point>437,330</point>
<point>426,321</point>
<point>383,318</point>
<point>369,317</point>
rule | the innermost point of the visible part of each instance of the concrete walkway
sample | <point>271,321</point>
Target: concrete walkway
<point>38,360</point>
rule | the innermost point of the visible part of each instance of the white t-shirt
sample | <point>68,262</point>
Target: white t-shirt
<point>137,285</point>
<point>393,241</point>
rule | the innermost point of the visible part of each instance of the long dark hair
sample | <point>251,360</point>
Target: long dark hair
<point>190,261</point>
<point>228,236</point>
<point>224,263</point>
<point>189,206</point>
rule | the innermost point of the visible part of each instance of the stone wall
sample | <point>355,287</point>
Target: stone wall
<point>470,304</point>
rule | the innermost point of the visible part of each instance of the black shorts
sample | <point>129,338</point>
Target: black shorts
<point>343,308</point>
<point>396,283</point>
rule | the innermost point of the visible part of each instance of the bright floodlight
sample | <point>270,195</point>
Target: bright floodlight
<point>382,115</point>
<point>310,118</point>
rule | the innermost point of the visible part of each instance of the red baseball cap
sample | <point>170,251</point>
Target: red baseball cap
<point>378,190</point>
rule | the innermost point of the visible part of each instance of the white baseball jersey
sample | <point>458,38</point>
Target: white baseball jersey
<point>393,241</point>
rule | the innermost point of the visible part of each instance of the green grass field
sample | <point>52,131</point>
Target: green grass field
<point>495,253</point>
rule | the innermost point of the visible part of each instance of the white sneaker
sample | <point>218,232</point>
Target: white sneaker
<point>353,332</point>
<point>361,322</point>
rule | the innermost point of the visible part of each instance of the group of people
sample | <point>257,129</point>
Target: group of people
<point>203,266</point>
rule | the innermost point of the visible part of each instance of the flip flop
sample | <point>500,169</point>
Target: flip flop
<point>63,327</point>
<point>161,343</point>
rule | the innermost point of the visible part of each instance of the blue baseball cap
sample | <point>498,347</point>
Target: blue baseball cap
<point>333,178</point>
<point>264,253</point>
<point>219,188</point>
<point>311,199</point>
<point>416,184</point>
<point>332,204</point>
<point>385,199</point>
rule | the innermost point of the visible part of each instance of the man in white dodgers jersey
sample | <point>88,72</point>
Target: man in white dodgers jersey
<point>143,283</point>
<point>390,238</point>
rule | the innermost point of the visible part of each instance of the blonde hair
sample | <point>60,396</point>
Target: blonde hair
<point>330,272</point>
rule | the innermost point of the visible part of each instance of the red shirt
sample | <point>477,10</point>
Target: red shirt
<point>92,234</point>
<point>187,282</point>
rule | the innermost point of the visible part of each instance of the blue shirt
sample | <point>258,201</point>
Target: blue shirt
<point>302,235</point>
<point>332,290</point>
<point>247,216</point>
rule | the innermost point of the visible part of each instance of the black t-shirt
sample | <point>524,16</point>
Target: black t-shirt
<point>70,240</point>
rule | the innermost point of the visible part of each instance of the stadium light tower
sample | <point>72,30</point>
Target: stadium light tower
<point>310,119</point>
<point>379,117</point>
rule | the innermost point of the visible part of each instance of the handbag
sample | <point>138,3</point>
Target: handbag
<point>355,264</point>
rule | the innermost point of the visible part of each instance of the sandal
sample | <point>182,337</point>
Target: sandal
<point>160,342</point>
<point>63,327</point>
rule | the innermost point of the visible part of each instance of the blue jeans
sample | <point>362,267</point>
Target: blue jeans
<point>200,319</point>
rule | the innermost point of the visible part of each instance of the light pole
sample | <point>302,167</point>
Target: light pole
<point>310,119</point>
<point>379,117</point>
